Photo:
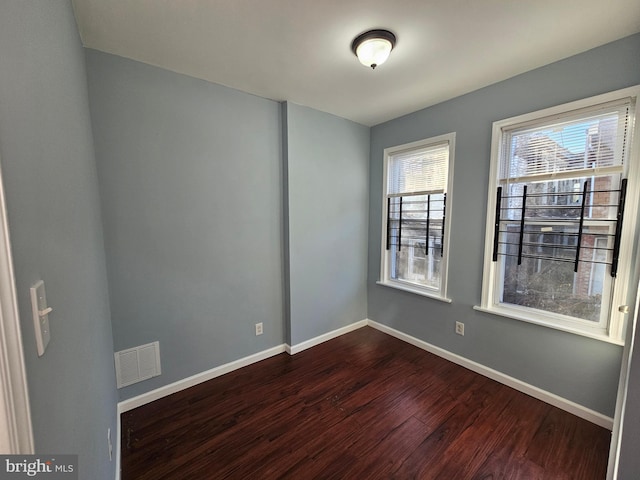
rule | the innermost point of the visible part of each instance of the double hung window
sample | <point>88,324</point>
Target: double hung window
<point>559,242</point>
<point>417,198</point>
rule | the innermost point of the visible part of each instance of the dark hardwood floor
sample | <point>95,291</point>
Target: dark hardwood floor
<point>362,406</point>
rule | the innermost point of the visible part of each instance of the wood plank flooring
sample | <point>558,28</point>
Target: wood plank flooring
<point>362,406</point>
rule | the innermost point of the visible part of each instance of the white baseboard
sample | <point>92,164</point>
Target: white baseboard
<point>180,385</point>
<point>531,390</point>
<point>543,395</point>
<point>299,347</point>
<point>185,383</point>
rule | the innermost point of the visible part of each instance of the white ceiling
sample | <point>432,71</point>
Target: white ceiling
<point>300,50</point>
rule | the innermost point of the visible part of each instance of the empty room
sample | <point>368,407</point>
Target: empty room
<point>340,240</point>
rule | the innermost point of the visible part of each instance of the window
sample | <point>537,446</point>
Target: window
<point>558,243</point>
<point>417,196</point>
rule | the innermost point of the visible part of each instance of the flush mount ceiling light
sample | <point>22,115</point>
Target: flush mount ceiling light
<point>373,47</point>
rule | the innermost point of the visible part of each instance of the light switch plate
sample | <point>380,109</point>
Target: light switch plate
<point>40,313</point>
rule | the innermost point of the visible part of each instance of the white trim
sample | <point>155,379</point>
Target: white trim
<point>514,314</point>
<point>623,387</point>
<point>543,395</point>
<point>547,397</point>
<point>166,390</point>
<point>565,175</point>
<point>606,100</point>
<point>196,379</point>
<point>299,347</point>
<point>13,375</point>
<point>632,205</point>
<point>118,443</point>
<point>417,291</point>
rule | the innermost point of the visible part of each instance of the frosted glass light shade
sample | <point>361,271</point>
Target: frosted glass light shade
<point>374,52</point>
<point>373,48</point>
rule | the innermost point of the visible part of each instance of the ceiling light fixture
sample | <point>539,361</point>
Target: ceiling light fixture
<point>373,47</point>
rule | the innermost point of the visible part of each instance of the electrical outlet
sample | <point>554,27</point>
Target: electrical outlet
<point>110,444</point>
<point>460,328</point>
<point>259,328</point>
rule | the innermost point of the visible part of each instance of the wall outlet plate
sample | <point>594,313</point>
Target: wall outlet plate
<point>460,328</point>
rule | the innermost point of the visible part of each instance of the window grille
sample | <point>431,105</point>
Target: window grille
<point>557,229</point>
<point>417,218</point>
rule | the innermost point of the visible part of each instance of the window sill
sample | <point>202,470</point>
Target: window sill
<point>417,291</point>
<point>565,328</point>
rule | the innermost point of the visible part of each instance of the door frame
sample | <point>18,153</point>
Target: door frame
<point>15,414</point>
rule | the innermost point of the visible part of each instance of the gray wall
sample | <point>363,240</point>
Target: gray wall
<point>190,178</point>
<point>574,367</point>
<point>50,182</point>
<point>326,171</point>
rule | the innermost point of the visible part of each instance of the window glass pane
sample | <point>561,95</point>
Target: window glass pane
<point>584,143</point>
<point>562,199</point>
<point>416,255</point>
<point>423,170</point>
<point>552,286</point>
<point>545,279</point>
<point>412,265</point>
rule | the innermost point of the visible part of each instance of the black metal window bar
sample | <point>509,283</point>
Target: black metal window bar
<point>529,216</point>
<point>417,219</point>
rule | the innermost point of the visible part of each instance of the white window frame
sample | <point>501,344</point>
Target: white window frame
<point>385,258</point>
<point>613,331</point>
